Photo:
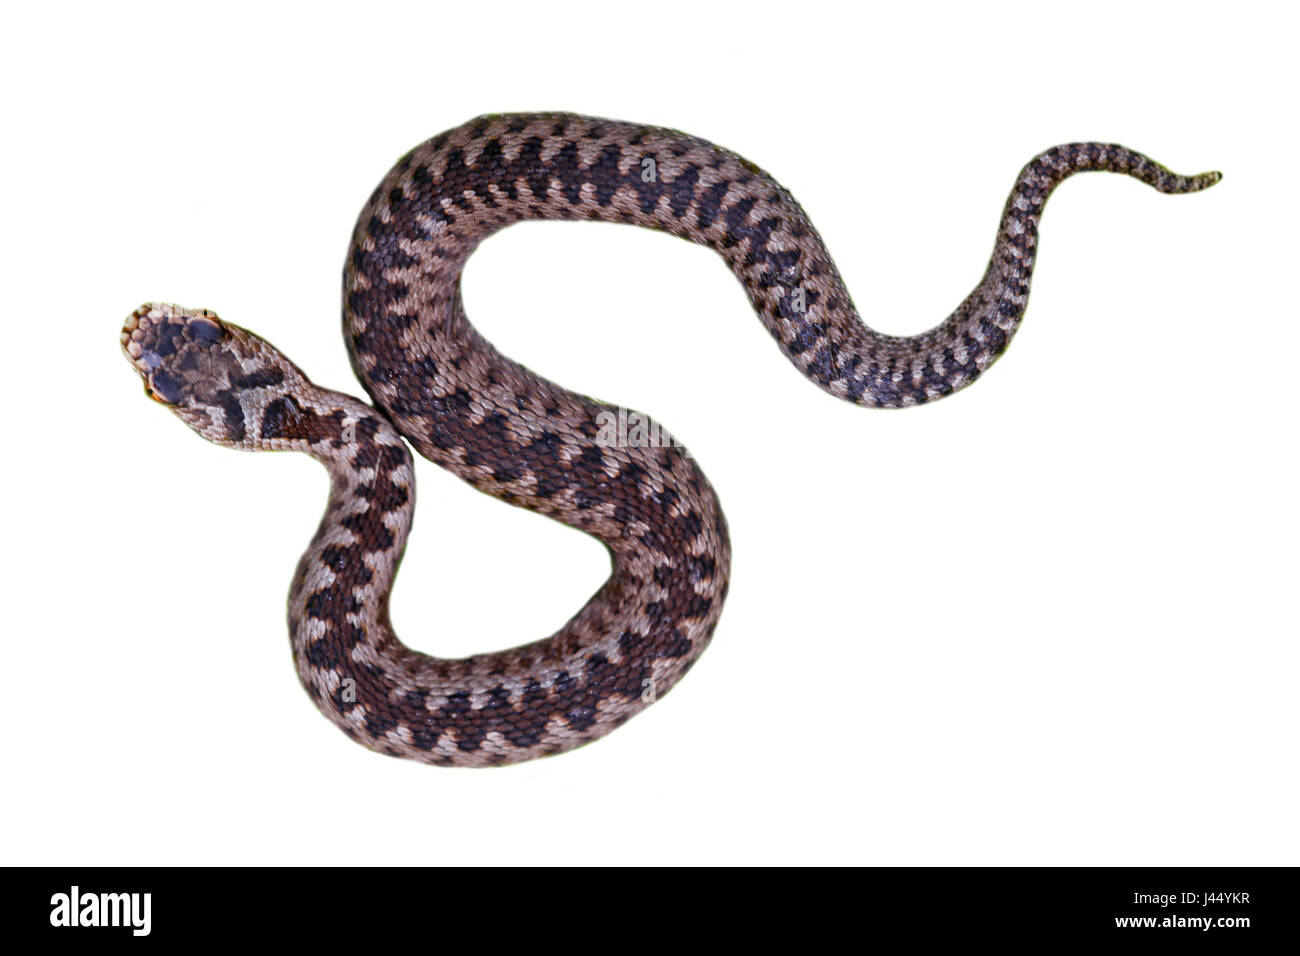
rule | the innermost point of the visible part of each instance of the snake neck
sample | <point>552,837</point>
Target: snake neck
<point>338,602</point>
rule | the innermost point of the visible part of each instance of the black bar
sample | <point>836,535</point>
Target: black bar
<point>1226,907</point>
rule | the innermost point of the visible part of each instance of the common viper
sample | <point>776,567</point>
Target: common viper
<point>437,384</point>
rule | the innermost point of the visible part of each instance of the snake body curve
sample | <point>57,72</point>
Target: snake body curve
<point>437,384</point>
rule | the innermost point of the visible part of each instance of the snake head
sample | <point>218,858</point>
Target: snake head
<point>218,378</point>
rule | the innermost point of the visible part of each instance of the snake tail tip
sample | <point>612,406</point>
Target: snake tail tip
<point>1190,184</point>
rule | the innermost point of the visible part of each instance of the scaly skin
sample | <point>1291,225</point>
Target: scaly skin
<point>437,383</point>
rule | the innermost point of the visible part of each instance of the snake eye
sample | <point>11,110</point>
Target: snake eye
<point>206,328</point>
<point>162,388</point>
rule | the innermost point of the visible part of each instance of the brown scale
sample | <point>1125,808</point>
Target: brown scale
<point>436,383</point>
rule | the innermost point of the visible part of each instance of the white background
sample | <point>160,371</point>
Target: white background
<point>1048,621</point>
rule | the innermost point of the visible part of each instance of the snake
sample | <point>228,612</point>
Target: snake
<point>436,385</point>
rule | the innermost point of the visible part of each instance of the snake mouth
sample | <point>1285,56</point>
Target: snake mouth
<point>134,344</point>
<point>143,335</point>
<point>131,324</point>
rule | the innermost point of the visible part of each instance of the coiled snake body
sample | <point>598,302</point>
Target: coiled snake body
<point>436,383</point>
